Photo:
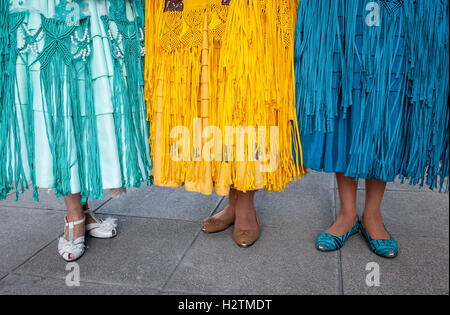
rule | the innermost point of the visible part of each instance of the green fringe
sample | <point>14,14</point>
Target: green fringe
<point>71,122</point>
<point>128,100</point>
<point>12,173</point>
<point>58,68</point>
<point>4,77</point>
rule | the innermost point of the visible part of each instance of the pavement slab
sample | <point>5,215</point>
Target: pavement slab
<point>36,285</point>
<point>144,253</point>
<point>308,204</point>
<point>161,250</point>
<point>281,262</point>
<point>420,269</point>
<point>164,203</point>
<point>24,232</point>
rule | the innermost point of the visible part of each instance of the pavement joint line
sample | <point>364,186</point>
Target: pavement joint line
<point>30,274</point>
<point>187,249</point>
<point>217,206</point>
<point>340,275</point>
<point>17,205</point>
<point>30,208</point>
<point>5,276</point>
<point>149,218</point>
<point>103,203</point>
<point>36,253</point>
<point>159,218</point>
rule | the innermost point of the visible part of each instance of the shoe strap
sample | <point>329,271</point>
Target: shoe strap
<point>109,224</point>
<point>71,226</point>
<point>91,214</point>
<point>79,240</point>
<point>74,222</point>
<point>93,226</point>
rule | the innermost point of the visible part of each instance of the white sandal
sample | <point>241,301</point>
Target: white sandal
<point>101,228</point>
<point>76,248</point>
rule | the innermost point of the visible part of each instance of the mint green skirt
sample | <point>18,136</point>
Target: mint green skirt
<point>73,116</point>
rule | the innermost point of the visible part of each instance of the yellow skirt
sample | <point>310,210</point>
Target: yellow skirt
<point>220,93</point>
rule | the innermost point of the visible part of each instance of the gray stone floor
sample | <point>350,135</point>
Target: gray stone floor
<point>161,249</point>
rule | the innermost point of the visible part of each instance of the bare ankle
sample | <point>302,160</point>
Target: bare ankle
<point>371,215</point>
<point>349,215</point>
<point>71,217</point>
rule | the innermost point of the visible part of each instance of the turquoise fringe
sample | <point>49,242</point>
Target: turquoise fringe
<point>12,168</point>
<point>4,79</point>
<point>57,70</point>
<point>373,102</point>
<point>72,127</point>
<point>426,150</point>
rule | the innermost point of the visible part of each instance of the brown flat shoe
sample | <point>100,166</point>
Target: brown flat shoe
<point>214,225</point>
<point>246,238</point>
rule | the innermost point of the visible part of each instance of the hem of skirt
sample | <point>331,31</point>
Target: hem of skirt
<point>19,192</point>
<point>218,190</point>
<point>354,175</point>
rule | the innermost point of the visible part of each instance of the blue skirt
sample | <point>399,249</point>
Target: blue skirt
<point>359,65</point>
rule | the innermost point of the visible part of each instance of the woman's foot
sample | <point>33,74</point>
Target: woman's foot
<point>89,217</point>
<point>345,221</point>
<point>103,229</point>
<point>79,229</point>
<point>246,218</point>
<point>336,236</point>
<point>220,221</point>
<point>246,228</point>
<point>386,247</point>
<point>71,246</point>
<point>373,223</point>
<point>372,218</point>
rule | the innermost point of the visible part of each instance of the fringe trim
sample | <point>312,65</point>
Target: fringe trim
<point>69,110</point>
<point>238,78</point>
<point>418,150</point>
<point>4,79</point>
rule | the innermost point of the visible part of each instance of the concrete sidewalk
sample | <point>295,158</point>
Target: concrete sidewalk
<point>161,249</point>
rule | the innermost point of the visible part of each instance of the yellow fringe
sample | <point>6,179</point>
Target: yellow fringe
<point>218,65</point>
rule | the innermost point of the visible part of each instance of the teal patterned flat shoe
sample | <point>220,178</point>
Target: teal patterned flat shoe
<point>384,248</point>
<point>329,242</point>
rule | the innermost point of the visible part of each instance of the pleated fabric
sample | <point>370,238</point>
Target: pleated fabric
<point>220,94</point>
<point>372,83</point>
<point>73,115</point>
